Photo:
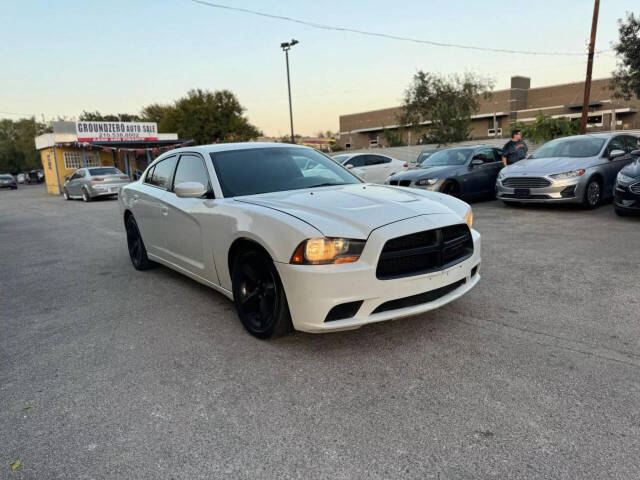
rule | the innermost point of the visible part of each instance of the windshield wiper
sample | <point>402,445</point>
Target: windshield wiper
<point>328,184</point>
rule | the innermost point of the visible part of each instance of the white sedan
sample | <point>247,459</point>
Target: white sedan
<point>297,240</point>
<point>372,168</point>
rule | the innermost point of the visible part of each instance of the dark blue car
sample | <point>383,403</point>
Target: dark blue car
<point>464,172</point>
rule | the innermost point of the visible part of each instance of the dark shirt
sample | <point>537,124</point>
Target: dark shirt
<point>514,151</point>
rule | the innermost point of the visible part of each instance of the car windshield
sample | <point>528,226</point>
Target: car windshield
<point>6,177</point>
<point>570,147</point>
<point>341,158</point>
<point>274,169</point>
<point>424,155</point>
<point>453,156</point>
<point>105,171</point>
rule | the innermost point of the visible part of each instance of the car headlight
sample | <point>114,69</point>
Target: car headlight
<point>322,251</point>
<point>565,175</point>
<point>468,218</point>
<point>427,181</point>
<point>624,179</point>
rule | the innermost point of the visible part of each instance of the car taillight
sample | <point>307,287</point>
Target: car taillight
<point>405,165</point>
<point>124,177</point>
<point>97,179</point>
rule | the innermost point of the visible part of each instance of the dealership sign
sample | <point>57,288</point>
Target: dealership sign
<point>116,131</point>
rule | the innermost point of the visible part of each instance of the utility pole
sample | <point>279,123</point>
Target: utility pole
<point>587,82</point>
<point>286,46</point>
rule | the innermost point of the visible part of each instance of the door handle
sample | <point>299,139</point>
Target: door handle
<point>165,211</point>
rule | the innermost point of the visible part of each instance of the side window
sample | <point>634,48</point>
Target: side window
<point>163,173</point>
<point>498,154</point>
<point>373,160</point>
<point>381,159</point>
<point>631,142</point>
<point>485,154</point>
<point>149,176</point>
<point>616,144</point>
<point>357,161</point>
<point>191,168</point>
<point>75,175</point>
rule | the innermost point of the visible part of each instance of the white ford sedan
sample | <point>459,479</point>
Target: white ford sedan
<point>296,240</point>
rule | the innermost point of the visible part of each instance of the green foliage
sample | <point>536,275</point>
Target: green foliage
<point>17,149</point>
<point>447,102</point>
<point>626,77</point>
<point>393,139</point>
<point>546,128</point>
<point>208,117</point>
<point>98,117</point>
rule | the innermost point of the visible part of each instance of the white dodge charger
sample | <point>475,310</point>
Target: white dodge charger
<point>295,239</point>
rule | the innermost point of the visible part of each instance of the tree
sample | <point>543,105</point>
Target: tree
<point>546,128</point>
<point>626,77</point>
<point>446,102</point>
<point>98,117</point>
<point>208,117</point>
<point>393,139</point>
<point>154,112</point>
<point>17,148</point>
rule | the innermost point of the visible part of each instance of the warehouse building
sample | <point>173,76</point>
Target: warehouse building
<point>128,146</point>
<point>520,103</point>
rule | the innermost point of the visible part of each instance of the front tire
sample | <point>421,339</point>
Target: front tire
<point>259,295</point>
<point>65,194</point>
<point>137,250</point>
<point>451,188</point>
<point>592,194</point>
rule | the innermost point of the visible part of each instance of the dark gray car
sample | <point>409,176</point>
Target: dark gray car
<point>578,169</point>
<point>464,172</point>
<point>89,183</point>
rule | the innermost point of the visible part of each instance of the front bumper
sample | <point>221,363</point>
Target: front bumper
<point>560,191</point>
<point>106,189</point>
<point>624,199</point>
<point>313,290</point>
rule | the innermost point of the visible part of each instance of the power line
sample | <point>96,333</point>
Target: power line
<point>385,35</point>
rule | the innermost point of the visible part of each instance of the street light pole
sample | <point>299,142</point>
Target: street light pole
<point>286,46</point>
<point>587,82</point>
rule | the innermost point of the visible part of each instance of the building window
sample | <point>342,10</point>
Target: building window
<point>73,160</point>
<point>347,145</point>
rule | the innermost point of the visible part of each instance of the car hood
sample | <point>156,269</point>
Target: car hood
<point>551,165</point>
<point>427,172</point>
<point>632,170</point>
<point>352,211</point>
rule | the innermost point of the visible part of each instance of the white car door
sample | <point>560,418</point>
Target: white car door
<point>186,238</point>
<point>376,168</point>
<point>150,205</point>
<point>359,167</point>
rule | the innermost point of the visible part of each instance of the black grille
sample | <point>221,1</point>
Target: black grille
<point>393,182</point>
<point>343,311</point>
<point>525,197</point>
<point>568,192</point>
<point>526,182</point>
<point>635,188</point>
<point>418,299</point>
<point>404,183</point>
<point>425,252</point>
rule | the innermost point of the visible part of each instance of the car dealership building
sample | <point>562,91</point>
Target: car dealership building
<point>128,146</point>
<point>520,103</point>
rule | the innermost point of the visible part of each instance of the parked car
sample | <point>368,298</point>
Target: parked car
<point>464,172</point>
<point>627,190</point>
<point>34,176</point>
<point>21,178</point>
<point>578,169</point>
<point>372,168</point>
<point>319,252</point>
<point>8,181</point>
<point>89,183</point>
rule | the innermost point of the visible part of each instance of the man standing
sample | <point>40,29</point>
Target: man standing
<point>515,149</point>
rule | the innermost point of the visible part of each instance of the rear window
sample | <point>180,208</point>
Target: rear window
<point>105,171</point>
<point>9,177</point>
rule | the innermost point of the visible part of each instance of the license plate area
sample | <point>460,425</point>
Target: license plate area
<point>521,192</point>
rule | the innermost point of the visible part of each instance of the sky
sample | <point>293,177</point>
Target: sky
<point>63,57</point>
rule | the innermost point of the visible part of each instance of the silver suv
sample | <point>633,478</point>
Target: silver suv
<point>89,183</point>
<point>579,169</point>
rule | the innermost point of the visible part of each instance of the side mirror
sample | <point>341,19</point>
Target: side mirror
<point>476,161</point>
<point>190,190</point>
<point>616,153</point>
<point>349,166</point>
<point>636,153</point>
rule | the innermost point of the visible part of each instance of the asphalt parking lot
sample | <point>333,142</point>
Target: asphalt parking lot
<point>107,372</point>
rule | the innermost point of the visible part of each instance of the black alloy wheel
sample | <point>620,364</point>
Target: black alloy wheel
<point>259,295</point>
<point>451,188</point>
<point>65,194</point>
<point>137,250</point>
<point>592,194</point>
